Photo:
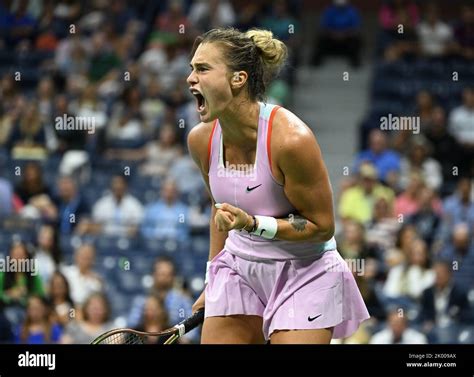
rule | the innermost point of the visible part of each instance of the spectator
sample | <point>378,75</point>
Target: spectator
<point>38,328</point>
<point>366,282</point>
<point>382,229</point>
<point>435,36</point>
<point>410,279</point>
<point>22,27</point>
<point>340,28</point>
<point>386,161</point>
<point>459,207</point>
<point>461,126</point>
<point>187,176</point>
<point>357,202</point>
<point>117,213</point>
<point>418,160</point>
<point>81,278</point>
<point>94,322</point>
<point>398,332</point>
<point>152,107</point>
<point>72,208</point>
<point>45,95</point>
<point>103,58</point>
<point>424,108</point>
<point>464,31</point>
<point>460,253</point>
<point>404,240</point>
<point>154,317</point>
<point>408,202</point>
<point>9,92</point>
<point>445,303</point>
<point>178,305</point>
<point>166,218</point>
<point>17,286</point>
<point>398,19</point>
<point>28,138</point>
<point>352,244</point>
<point>173,19</point>
<point>127,123</point>
<point>71,56</point>
<point>426,220</point>
<point>32,183</point>
<point>443,146</point>
<point>157,155</point>
<point>210,14</point>
<point>60,297</point>
<point>67,139</point>
<point>89,106</point>
<point>48,253</point>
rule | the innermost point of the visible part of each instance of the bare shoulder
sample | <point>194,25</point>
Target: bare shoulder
<point>198,139</point>
<point>290,133</point>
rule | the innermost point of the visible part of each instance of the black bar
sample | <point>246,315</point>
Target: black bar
<point>265,360</point>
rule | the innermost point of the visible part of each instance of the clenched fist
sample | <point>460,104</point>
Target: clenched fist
<point>229,217</point>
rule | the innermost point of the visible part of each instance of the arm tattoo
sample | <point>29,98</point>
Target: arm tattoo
<point>298,223</point>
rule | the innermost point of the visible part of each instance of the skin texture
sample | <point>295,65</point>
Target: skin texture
<point>303,175</point>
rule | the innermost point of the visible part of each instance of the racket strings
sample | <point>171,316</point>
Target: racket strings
<point>123,338</point>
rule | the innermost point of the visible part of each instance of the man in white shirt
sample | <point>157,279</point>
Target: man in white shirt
<point>461,119</point>
<point>118,213</point>
<point>435,36</point>
<point>398,332</point>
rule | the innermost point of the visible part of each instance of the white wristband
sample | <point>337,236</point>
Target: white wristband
<point>267,227</point>
<point>206,279</point>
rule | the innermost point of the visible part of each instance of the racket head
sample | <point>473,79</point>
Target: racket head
<point>169,336</point>
<point>130,336</point>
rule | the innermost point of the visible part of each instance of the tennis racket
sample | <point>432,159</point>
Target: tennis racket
<point>130,336</point>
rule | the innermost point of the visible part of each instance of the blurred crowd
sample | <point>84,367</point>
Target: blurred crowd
<point>114,212</point>
<point>116,216</point>
<point>406,205</point>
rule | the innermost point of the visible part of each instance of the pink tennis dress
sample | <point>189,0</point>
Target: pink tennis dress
<point>291,285</point>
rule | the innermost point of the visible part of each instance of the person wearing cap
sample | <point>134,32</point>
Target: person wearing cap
<point>357,202</point>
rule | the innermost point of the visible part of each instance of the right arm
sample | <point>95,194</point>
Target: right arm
<point>197,144</point>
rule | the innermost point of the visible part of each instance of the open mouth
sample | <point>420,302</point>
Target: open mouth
<point>201,101</point>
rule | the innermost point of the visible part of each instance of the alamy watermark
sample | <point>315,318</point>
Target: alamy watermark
<point>396,123</point>
<point>237,171</point>
<point>354,265</point>
<point>26,265</point>
<point>75,123</point>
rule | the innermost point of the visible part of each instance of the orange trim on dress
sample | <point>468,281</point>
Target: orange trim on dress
<point>209,145</point>
<point>269,134</point>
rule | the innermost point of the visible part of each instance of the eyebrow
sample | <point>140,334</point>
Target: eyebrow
<point>200,65</point>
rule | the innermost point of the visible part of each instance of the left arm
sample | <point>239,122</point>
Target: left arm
<point>306,184</point>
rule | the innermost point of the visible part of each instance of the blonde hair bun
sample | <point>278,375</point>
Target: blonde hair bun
<point>273,51</point>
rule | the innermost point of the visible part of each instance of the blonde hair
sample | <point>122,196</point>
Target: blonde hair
<point>274,51</point>
<point>256,52</point>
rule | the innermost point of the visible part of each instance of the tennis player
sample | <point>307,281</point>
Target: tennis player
<point>274,271</point>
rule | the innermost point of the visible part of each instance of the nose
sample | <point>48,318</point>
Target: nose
<point>192,78</point>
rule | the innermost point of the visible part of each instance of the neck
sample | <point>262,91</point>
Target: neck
<point>239,123</point>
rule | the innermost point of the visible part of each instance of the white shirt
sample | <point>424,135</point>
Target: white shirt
<point>46,266</point>
<point>412,282</point>
<point>433,40</point>
<point>461,124</point>
<point>116,217</point>
<point>82,286</point>
<point>409,336</point>
<point>441,301</point>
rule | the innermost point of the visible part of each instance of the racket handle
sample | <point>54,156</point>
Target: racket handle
<point>194,321</point>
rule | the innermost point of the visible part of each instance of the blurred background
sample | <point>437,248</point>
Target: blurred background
<point>116,216</point>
